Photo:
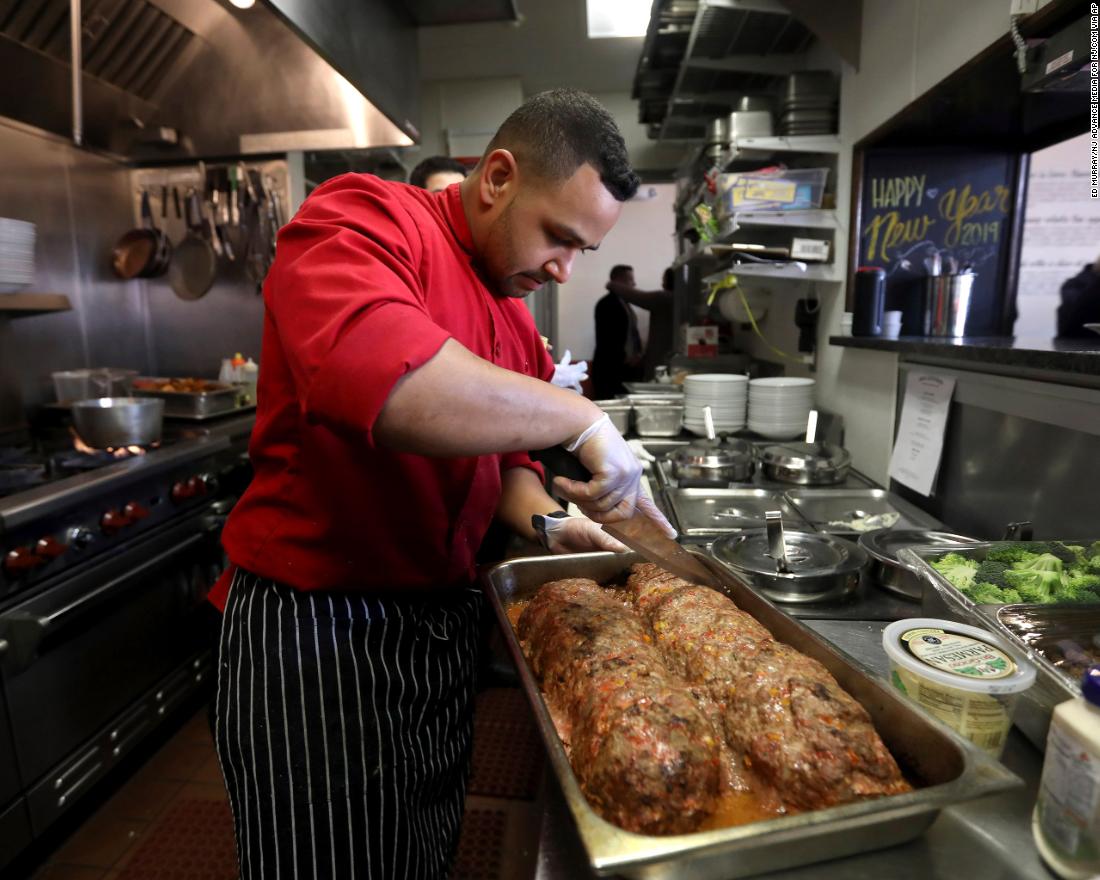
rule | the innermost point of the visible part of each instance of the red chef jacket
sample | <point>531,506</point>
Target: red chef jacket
<point>370,279</point>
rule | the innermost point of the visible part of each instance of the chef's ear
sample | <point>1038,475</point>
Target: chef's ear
<point>498,176</point>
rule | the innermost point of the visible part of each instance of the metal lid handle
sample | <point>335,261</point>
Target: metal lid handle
<point>777,545</point>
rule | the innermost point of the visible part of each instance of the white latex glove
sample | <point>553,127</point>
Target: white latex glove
<point>640,452</point>
<point>615,491</point>
<point>568,375</point>
<point>575,534</point>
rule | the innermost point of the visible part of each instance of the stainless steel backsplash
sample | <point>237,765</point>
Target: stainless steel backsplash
<point>81,203</point>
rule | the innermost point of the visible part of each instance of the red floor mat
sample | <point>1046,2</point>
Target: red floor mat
<point>508,753</point>
<point>192,841</point>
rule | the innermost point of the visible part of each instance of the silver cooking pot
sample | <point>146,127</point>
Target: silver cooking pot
<point>112,422</point>
<point>727,461</point>
<point>882,545</point>
<point>807,464</point>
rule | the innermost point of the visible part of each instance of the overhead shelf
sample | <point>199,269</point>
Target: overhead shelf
<point>23,305</point>
<point>807,219</point>
<point>760,147</point>
<point>701,56</point>
<point>786,271</point>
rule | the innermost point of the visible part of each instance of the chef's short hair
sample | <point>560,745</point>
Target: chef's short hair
<point>553,133</point>
<point>619,271</point>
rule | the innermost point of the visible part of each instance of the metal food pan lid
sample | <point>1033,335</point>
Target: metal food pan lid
<point>809,554</point>
<point>805,456</point>
<point>884,544</point>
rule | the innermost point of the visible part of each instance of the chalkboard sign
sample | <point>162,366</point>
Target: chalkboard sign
<point>916,203</point>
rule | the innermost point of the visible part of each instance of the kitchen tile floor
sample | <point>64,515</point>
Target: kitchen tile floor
<point>171,818</point>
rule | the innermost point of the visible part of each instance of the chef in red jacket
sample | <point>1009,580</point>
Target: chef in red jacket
<point>402,383</point>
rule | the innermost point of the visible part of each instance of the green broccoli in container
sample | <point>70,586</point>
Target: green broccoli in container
<point>957,569</point>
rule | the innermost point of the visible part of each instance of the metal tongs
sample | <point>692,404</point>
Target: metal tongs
<point>777,544</point>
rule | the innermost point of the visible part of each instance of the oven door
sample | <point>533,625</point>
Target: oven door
<point>84,649</point>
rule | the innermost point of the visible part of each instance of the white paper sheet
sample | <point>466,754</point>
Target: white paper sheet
<point>919,444</point>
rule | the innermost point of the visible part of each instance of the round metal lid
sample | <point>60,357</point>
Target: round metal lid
<point>810,457</point>
<point>808,554</point>
<point>884,544</point>
<point>717,453</point>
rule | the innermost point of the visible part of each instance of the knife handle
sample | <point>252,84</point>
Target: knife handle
<point>562,463</point>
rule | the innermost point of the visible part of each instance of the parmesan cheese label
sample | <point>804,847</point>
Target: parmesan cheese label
<point>958,654</point>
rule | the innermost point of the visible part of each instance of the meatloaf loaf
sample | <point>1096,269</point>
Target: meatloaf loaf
<point>645,755</point>
<point>795,725</point>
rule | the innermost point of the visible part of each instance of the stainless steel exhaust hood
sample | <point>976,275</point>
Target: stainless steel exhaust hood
<point>172,79</point>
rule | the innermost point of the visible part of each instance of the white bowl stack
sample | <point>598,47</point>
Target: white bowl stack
<point>724,393</point>
<point>16,254</point>
<point>780,406</point>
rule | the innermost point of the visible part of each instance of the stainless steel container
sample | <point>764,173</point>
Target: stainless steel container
<point>659,418</point>
<point>714,512</point>
<point>113,422</point>
<point>882,545</point>
<point>854,511</point>
<point>619,413</point>
<point>806,464</point>
<point>716,463</point>
<point>948,297</point>
<point>817,568</point>
<point>945,768</point>
<point>221,398</point>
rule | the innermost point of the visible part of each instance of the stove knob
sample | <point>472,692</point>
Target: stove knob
<point>49,547</point>
<point>112,521</point>
<point>135,511</point>
<point>209,483</point>
<point>196,486</point>
<point>81,537</point>
<point>21,560</point>
<point>182,490</point>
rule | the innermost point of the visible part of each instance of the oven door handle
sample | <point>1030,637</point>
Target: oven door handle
<point>24,631</point>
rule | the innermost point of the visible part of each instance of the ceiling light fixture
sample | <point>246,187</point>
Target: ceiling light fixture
<point>243,4</point>
<point>618,18</point>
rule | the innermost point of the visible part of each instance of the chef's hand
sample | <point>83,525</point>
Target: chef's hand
<point>570,375</point>
<point>560,533</point>
<point>614,491</point>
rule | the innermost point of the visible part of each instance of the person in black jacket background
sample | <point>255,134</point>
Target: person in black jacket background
<point>618,355</point>
<point>1080,303</point>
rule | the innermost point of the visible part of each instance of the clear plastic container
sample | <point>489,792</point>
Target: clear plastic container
<point>962,675</point>
<point>784,189</point>
<point>70,385</point>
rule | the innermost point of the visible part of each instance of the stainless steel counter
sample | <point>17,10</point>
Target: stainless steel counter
<point>987,839</point>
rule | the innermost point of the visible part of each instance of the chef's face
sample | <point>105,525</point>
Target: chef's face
<point>537,233</point>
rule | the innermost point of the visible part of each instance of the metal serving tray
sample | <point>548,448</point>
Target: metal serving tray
<point>948,768</point>
<point>712,512</point>
<point>943,600</point>
<point>855,480</point>
<point>185,404</point>
<point>822,507</point>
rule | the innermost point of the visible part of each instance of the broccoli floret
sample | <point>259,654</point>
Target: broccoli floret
<point>1043,562</point>
<point>990,572</point>
<point>957,569</point>
<point>1017,552</point>
<point>1070,554</point>
<point>1078,587</point>
<point>1011,597</point>
<point>1088,597</point>
<point>986,594</point>
<point>1035,585</point>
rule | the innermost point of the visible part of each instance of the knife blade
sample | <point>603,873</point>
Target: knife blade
<point>640,533</point>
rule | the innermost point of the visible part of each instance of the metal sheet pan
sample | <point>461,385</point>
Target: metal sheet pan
<point>947,768</point>
<point>822,508</point>
<point>185,404</point>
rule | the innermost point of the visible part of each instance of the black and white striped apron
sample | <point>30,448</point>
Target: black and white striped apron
<point>343,724</point>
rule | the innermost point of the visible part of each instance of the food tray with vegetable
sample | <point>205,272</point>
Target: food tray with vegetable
<point>974,583</point>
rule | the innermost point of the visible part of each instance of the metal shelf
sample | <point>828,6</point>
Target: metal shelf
<point>24,305</point>
<point>785,271</point>
<point>807,219</point>
<point>759,147</point>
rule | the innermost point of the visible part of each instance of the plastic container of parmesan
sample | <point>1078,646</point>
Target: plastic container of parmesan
<point>962,675</point>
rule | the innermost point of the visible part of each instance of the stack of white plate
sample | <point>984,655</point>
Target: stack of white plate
<point>16,254</point>
<point>779,406</point>
<point>724,393</point>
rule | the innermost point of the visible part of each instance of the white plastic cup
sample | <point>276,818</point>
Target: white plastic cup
<point>962,675</point>
<point>846,324</point>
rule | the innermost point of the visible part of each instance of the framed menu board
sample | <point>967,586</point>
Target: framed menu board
<point>920,205</point>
